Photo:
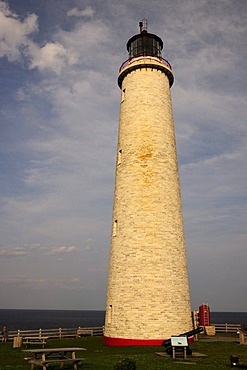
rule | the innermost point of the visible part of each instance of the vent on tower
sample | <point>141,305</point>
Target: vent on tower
<point>143,26</point>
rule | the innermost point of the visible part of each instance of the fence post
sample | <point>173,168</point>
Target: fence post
<point>40,333</point>
<point>60,333</point>
<point>77,331</point>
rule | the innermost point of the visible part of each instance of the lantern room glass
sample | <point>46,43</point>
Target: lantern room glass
<point>145,46</point>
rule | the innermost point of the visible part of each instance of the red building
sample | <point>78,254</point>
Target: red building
<point>204,314</point>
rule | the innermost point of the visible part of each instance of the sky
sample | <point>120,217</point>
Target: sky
<point>59,111</point>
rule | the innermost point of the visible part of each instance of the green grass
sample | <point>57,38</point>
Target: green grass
<point>100,357</point>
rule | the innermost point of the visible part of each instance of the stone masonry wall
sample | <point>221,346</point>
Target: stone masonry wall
<point>148,292</point>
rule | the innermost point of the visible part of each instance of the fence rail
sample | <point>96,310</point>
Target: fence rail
<point>227,328</point>
<point>56,333</point>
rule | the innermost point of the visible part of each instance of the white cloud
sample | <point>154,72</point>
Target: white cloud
<point>14,34</point>
<point>87,12</point>
<point>9,253</point>
<point>16,43</point>
<point>62,250</point>
<point>89,41</point>
<point>4,8</point>
<point>87,245</point>
<point>28,250</point>
<point>52,56</point>
<point>71,282</point>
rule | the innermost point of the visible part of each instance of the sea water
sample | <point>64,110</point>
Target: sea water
<point>53,319</point>
<point>50,319</point>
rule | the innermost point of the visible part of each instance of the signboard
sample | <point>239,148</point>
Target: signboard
<point>179,341</point>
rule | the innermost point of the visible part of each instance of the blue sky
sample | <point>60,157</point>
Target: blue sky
<point>59,109</point>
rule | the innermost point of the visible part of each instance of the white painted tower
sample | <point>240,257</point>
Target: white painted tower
<point>148,292</point>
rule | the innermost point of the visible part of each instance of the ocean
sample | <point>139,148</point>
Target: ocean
<point>52,319</point>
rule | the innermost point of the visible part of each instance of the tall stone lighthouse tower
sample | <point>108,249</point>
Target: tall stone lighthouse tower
<point>148,292</point>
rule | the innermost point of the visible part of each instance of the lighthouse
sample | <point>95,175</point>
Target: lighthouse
<point>148,296</point>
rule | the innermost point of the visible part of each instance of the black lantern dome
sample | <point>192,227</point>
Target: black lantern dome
<point>144,43</point>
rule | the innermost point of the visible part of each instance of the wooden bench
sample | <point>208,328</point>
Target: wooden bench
<point>60,361</point>
<point>28,341</point>
<point>83,332</point>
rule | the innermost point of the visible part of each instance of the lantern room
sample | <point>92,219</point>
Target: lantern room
<point>144,43</point>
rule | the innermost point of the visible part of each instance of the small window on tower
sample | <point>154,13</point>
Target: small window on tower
<point>114,231</point>
<point>119,157</point>
<point>110,314</point>
<point>123,95</point>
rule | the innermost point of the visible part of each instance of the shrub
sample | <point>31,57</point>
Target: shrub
<point>125,364</point>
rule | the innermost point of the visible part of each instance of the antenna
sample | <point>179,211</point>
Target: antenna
<point>143,26</point>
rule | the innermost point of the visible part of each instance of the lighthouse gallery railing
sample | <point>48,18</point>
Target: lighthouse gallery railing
<point>146,58</point>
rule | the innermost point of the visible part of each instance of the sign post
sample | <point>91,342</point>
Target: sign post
<point>178,342</point>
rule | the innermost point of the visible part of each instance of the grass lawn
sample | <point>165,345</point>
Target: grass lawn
<point>100,357</point>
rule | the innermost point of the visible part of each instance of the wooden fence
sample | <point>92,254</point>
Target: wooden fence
<point>57,333</point>
<point>95,331</point>
<point>227,328</point>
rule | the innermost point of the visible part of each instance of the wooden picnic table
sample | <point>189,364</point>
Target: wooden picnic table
<point>45,356</point>
<point>35,340</point>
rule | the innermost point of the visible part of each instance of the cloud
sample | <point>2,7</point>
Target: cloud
<point>70,47</point>
<point>71,282</point>
<point>65,171</point>
<point>52,56</point>
<point>12,253</point>
<point>62,250</point>
<point>4,8</point>
<point>87,12</point>
<point>16,43</point>
<point>88,244</point>
<point>14,34</point>
<point>27,250</point>
<point>89,41</point>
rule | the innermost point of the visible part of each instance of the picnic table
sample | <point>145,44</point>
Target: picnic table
<point>28,341</point>
<point>45,356</point>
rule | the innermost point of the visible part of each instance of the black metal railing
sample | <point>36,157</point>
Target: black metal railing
<point>145,58</point>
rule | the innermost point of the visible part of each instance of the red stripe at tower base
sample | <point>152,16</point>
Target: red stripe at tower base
<point>118,342</point>
<point>131,342</point>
